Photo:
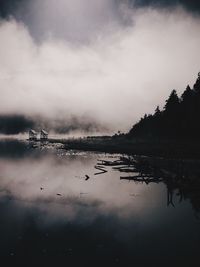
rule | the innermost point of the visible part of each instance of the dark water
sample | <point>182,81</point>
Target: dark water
<point>50,214</point>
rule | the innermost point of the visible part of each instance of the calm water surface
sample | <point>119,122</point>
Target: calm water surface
<point>49,213</point>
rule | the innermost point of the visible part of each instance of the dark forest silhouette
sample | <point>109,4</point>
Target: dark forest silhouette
<point>179,119</point>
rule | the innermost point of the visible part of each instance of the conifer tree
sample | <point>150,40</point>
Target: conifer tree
<point>172,102</point>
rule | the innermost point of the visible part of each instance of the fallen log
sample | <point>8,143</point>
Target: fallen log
<point>101,169</point>
<point>138,178</point>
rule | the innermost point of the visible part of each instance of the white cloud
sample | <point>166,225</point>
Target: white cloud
<point>117,77</point>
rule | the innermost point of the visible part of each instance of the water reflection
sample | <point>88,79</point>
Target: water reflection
<point>50,211</point>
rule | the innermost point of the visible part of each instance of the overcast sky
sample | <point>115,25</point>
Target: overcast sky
<point>105,59</point>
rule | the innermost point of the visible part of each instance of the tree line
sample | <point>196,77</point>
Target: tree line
<point>180,117</point>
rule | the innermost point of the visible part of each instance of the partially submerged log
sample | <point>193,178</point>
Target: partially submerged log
<point>125,169</point>
<point>101,169</point>
<point>110,163</point>
<point>138,178</point>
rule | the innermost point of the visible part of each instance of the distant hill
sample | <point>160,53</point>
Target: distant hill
<point>14,124</point>
<point>179,119</point>
<point>18,123</point>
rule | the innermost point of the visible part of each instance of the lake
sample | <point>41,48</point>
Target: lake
<point>56,208</point>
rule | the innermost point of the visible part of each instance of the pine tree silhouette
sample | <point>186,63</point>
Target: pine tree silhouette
<point>179,119</point>
<point>172,102</point>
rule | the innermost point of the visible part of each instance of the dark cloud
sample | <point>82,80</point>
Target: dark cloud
<point>9,7</point>
<point>75,21</point>
<point>192,5</point>
<point>17,7</point>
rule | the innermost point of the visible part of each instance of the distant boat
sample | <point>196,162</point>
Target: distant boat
<point>32,135</point>
<point>43,135</point>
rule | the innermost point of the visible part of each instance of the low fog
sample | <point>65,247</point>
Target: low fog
<point>95,59</point>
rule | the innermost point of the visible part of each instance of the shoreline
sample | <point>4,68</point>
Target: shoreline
<point>165,149</point>
<point>182,149</point>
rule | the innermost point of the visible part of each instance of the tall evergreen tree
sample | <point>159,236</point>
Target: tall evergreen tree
<point>187,95</point>
<point>197,85</point>
<point>172,102</point>
<point>157,112</point>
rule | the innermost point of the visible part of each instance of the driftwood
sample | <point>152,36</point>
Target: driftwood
<point>101,169</point>
<point>181,177</point>
<point>127,170</point>
<point>110,163</point>
<point>143,171</point>
<point>138,178</point>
